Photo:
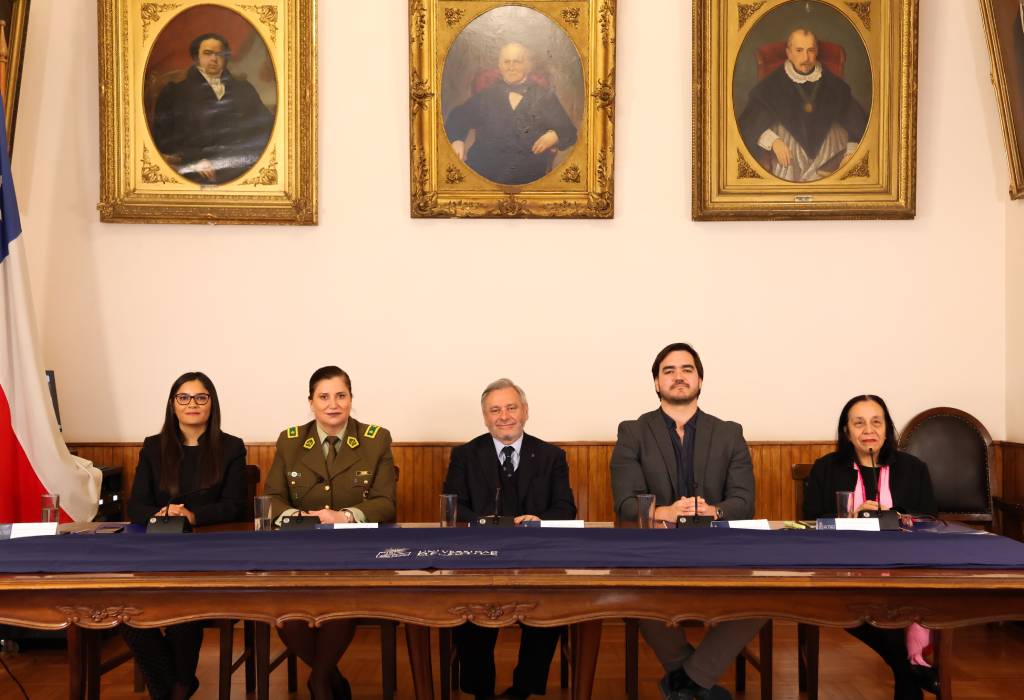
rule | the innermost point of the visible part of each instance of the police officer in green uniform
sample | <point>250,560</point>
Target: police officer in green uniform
<point>341,471</point>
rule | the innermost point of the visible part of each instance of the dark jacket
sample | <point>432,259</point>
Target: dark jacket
<point>191,124</point>
<point>223,502</point>
<point>909,483</point>
<point>643,461</point>
<point>542,476</point>
<point>502,151</point>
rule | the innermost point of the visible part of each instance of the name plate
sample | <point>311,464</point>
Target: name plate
<point>32,530</point>
<point>862,524</point>
<point>561,523</point>
<point>354,526</point>
<point>760,524</point>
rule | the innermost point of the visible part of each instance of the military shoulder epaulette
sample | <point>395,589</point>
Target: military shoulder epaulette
<point>293,432</point>
<point>371,431</point>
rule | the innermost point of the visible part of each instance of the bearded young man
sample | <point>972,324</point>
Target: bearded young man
<point>677,452</point>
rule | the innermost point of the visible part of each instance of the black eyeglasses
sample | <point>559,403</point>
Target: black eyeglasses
<point>200,399</point>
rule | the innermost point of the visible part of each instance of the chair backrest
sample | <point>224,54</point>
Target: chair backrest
<point>800,472</point>
<point>771,56</point>
<point>489,76</point>
<point>958,451</point>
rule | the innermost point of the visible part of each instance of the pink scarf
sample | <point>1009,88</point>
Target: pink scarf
<point>918,638</point>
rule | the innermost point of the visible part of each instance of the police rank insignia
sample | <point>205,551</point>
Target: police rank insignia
<point>352,442</point>
<point>308,444</point>
<point>371,431</point>
<point>293,432</point>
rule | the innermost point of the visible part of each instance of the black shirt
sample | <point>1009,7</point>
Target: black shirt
<point>683,450</point>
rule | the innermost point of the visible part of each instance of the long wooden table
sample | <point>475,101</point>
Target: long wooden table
<point>423,599</point>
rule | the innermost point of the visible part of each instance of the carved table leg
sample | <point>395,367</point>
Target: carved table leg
<point>588,641</point>
<point>417,639</point>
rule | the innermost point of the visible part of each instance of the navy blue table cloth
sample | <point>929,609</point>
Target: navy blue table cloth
<point>520,548</point>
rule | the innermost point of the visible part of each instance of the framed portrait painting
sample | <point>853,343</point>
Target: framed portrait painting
<point>13,25</point>
<point>1004,27</point>
<point>804,109</point>
<point>208,111</point>
<point>512,108</point>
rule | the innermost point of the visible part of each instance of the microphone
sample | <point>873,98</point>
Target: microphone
<point>300,521</point>
<point>889,519</point>
<point>172,524</point>
<point>695,520</point>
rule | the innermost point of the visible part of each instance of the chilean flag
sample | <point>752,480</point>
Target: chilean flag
<point>33,457</point>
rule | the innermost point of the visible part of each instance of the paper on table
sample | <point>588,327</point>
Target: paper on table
<point>862,524</point>
<point>760,524</point>
<point>354,526</point>
<point>561,523</point>
<point>32,529</point>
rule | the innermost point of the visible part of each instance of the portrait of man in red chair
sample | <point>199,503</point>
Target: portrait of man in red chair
<point>504,85</point>
<point>802,121</point>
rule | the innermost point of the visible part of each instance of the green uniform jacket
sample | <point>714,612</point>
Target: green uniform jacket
<point>363,475</point>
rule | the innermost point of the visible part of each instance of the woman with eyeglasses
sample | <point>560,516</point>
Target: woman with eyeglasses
<point>333,469</point>
<point>190,469</point>
<point>867,464</point>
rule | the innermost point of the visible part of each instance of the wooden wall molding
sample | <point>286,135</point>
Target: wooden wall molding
<point>422,466</point>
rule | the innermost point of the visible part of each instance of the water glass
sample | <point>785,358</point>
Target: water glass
<point>261,513</point>
<point>844,504</point>
<point>645,511</point>
<point>51,508</point>
<point>449,509</point>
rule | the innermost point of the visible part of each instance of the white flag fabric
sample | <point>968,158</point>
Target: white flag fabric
<point>33,457</point>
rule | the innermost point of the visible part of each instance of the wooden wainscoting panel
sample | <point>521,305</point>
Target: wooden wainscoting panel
<point>1010,457</point>
<point>422,468</point>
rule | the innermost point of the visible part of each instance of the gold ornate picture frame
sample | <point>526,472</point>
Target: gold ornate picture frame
<point>512,108</point>
<point>1004,28</point>
<point>13,27</point>
<point>208,111</point>
<point>804,109</point>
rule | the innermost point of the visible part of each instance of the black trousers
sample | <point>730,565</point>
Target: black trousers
<point>891,645</point>
<point>475,646</point>
<point>166,657</point>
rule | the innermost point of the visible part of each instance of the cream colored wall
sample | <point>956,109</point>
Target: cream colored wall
<point>1015,321</point>
<point>791,318</point>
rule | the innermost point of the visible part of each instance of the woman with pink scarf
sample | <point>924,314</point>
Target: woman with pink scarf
<point>867,463</point>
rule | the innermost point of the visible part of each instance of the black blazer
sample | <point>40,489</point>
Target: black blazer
<point>909,483</point>
<point>221,503</point>
<point>543,479</point>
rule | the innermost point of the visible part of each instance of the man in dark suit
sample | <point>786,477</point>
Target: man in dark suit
<point>519,124</point>
<point>211,127</point>
<point>508,473</point>
<point>693,463</point>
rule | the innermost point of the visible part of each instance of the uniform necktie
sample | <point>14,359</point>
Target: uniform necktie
<point>506,464</point>
<point>332,450</point>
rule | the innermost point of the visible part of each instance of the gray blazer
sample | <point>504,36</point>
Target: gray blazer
<point>643,462</point>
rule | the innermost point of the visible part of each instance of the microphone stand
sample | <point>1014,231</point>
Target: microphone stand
<point>887,519</point>
<point>300,521</point>
<point>694,520</point>
<point>171,524</point>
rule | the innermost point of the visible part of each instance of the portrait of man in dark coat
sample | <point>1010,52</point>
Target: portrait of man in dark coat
<point>211,127</point>
<point>517,120</point>
<point>802,121</point>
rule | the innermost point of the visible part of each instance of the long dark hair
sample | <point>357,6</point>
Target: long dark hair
<point>845,447</point>
<point>210,464</point>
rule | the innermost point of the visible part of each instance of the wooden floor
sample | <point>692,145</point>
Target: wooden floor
<point>990,664</point>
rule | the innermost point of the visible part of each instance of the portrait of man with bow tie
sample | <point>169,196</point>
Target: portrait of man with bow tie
<point>512,126</point>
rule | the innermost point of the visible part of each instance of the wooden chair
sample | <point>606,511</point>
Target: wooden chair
<point>450,660</point>
<point>260,651</point>
<point>762,661</point>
